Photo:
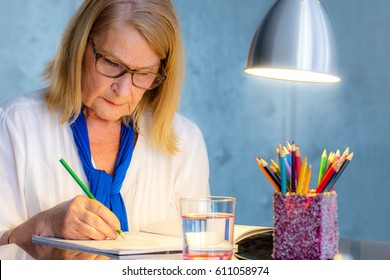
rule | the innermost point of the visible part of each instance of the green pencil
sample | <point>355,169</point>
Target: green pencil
<point>321,170</point>
<point>85,189</point>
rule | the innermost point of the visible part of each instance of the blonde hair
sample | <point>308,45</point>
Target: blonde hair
<point>156,20</point>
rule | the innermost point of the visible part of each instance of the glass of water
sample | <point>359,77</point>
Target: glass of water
<point>207,227</point>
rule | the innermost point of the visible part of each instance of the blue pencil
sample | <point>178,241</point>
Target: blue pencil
<point>287,155</point>
<point>283,172</point>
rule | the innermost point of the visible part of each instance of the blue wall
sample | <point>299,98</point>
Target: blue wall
<point>242,116</point>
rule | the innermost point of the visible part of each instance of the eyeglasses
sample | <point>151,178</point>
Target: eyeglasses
<point>111,69</point>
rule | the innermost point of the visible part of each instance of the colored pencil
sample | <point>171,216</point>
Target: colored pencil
<point>267,175</point>
<point>298,162</point>
<point>322,168</point>
<point>343,166</point>
<point>292,174</point>
<point>337,155</point>
<point>302,175</point>
<point>306,184</point>
<point>84,188</point>
<point>275,171</point>
<point>287,167</point>
<point>293,168</point>
<point>274,164</point>
<point>334,168</point>
<point>283,187</point>
<point>279,151</point>
<point>289,147</point>
<point>267,168</point>
<point>330,160</point>
<point>346,151</point>
<point>287,155</point>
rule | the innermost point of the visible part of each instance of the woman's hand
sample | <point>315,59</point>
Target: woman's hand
<point>79,218</point>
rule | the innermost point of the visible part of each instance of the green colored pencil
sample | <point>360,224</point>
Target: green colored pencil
<point>84,187</point>
<point>321,171</point>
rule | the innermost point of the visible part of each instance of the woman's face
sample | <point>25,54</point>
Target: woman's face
<point>112,98</point>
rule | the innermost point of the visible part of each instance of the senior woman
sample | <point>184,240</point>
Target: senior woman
<point>110,110</point>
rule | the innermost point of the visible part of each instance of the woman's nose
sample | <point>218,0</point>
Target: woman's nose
<point>124,84</point>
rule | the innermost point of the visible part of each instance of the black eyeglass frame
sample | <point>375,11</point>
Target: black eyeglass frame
<point>161,76</point>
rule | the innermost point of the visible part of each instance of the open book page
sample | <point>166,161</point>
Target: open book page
<point>135,243</point>
<point>170,228</point>
<point>244,231</point>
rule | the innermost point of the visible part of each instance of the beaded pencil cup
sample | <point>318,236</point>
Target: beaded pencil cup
<point>305,220</point>
<point>305,226</point>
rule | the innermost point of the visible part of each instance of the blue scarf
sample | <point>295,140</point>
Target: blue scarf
<point>104,187</point>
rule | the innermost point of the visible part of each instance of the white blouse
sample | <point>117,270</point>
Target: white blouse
<point>32,141</point>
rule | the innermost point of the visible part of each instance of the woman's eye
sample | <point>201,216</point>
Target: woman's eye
<point>143,74</point>
<point>111,63</point>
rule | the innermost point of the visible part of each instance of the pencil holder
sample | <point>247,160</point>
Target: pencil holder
<point>305,226</point>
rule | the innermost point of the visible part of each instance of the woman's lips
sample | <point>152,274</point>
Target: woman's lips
<point>113,103</point>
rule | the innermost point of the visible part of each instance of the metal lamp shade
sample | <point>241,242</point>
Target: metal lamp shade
<point>294,42</point>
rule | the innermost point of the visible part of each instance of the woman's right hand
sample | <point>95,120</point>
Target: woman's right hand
<point>78,218</point>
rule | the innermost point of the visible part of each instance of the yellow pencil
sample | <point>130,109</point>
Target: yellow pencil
<point>275,165</point>
<point>302,175</point>
<point>306,184</point>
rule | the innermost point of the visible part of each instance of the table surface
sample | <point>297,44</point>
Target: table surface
<point>261,247</point>
<point>258,248</point>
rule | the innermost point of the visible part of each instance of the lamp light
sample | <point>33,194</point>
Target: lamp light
<point>295,42</point>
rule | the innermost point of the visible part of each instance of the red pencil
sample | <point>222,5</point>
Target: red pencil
<point>328,175</point>
<point>298,162</point>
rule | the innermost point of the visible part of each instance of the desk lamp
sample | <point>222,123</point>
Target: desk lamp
<point>294,42</point>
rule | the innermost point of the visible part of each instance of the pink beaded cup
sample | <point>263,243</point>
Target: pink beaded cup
<point>305,226</point>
